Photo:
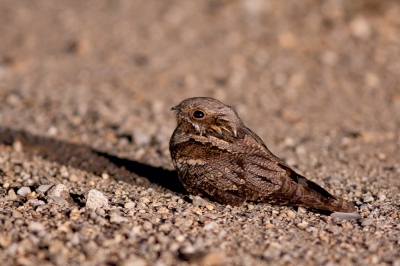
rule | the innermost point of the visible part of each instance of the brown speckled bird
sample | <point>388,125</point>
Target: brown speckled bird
<point>217,156</point>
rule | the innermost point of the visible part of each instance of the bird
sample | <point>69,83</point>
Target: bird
<point>218,157</point>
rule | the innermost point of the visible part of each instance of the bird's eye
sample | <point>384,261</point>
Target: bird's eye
<point>198,114</point>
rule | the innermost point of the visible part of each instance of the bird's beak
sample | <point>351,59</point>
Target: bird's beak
<point>175,108</point>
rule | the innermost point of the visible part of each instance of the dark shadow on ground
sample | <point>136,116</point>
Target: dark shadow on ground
<point>156,175</point>
<point>90,160</point>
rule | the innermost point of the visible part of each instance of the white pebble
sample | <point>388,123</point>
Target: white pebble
<point>95,199</point>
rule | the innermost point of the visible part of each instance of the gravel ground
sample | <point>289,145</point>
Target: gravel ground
<point>85,92</point>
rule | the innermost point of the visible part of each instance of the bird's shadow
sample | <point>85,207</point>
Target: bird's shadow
<point>157,175</point>
<point>94,161</point>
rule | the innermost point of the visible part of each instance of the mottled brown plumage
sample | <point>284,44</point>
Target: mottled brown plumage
<point>216,155</point>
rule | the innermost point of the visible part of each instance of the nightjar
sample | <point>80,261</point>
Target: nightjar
<point>217,156</point>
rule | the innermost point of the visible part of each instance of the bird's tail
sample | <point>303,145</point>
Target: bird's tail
<point>308,194</point>
<point>318,198</point>
<point>335,205</point>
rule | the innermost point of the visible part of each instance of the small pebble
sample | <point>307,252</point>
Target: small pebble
<point>214,259</point>
<point>180,238</point>
<point>210,207</point>
<point>301,150</point>
<point>144,200</point>
<point>42,207</point>
<point>360,27</point>
<point>56,200</point>
<point>197,210</point>
<point>59,190</point>
<point>115,218</point>
<point>24,191</point>
<point>188,250</point>
<point>12,195</point>
<point>36,202</point>
<point>367,221</point>
<point>329,58</point>
<point>101,212</point>
<point>301,210</point>
<point>64,172</point>
<point>75,214</point>
<point>35,226</point>
<point>163,210</point>
<point>136,261</point>
<point>73,178</point>
<point>105,176</point>
<point>209,226</point>
<point>17,214</point>
<point>142,139</point>
<point>199,201</point>
<point>147,225</point>
<point>289,142</point>
<point>302,225</point>
<point>32,195</point>
<point>17,146</point>
<point>368,199</point>
<point>287,40</point>
<point>52,131</point>
<point>382,156</point>
<point>130,205</point>
<point>4,241</point>
<point>44,188</point>
<point>95,199</point>
<point>90,249</point>
<point>291,214</point>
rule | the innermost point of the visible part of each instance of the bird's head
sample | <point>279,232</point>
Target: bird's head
<point>206,114</point>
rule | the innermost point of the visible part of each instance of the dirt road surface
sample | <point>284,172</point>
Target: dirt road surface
<point>85,91</point>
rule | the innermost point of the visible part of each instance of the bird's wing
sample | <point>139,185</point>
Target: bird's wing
<point>218,169</point>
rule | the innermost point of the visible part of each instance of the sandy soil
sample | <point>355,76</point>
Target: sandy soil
<point>85,93</point>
